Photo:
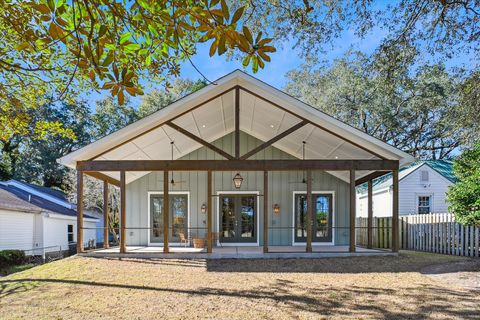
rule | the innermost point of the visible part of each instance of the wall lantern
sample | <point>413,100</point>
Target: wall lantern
<point>203,208</point>
<point>237,181</point>
<point>276,208</point>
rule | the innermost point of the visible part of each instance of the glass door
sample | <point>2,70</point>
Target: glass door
<point>322,217</point>
<point>178,218</point>
<point>238,218</point>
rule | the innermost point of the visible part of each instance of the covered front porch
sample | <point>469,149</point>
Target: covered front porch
<point>248,170</point>
<point>233,252</point>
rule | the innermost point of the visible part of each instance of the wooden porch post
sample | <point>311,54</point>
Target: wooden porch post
<point>209,212</point>
<point>105,215</point>
<point>352,211</point>
<point>123,213</point>
<point>166,211</point>
<point>309,211</point>
<point>79,211</point>
<point>395,235</point>
<point>370,215</point>
<point>265,211</point>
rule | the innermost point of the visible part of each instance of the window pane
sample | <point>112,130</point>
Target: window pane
<point>322,209</point>
<point>247,216</point>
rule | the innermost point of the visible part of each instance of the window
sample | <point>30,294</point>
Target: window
<point>424,176</point>
<point>424,205</point>
<point>70,233</point>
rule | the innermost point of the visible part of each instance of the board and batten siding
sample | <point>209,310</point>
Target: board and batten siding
<point>280,191</point>
<point>410,188</point>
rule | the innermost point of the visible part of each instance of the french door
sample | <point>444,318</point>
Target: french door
<point>238,218</point>
<point>322,217</point>
<point>178,217</point>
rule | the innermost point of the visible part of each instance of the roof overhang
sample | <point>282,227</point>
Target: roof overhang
<point>264,112</point>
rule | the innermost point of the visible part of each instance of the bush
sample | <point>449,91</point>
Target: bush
<point>11,258</point>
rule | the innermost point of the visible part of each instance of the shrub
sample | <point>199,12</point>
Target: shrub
<point>11,258</point>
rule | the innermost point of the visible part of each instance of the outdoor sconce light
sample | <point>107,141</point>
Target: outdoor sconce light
<point>203,208</point>
<point>237,181</point>
<point>276,208</point>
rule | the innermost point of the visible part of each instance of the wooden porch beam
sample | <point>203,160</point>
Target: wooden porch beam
<point>274,139</point>
<point>200,140</point>
<point>352,211</point>
<point>79,212</point>
<point>103,177</point>
<point>265,211</point>
<point>233,165</point>
<point>309,211</point>
<point>123,213</point>
<point>166,210</point>
<point>395,231</point>
<point>369,177</point>
<point>209,213</point>
<point>370,215</point>
<point>105,215</point>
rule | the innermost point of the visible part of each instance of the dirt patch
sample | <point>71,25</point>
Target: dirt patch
<point>464,274</point>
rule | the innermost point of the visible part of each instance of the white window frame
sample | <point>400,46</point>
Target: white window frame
<point>174,244</point>
<point>243,244</point>
<point>314,243</point>
<point>417,204</point>
<point>71,233</point>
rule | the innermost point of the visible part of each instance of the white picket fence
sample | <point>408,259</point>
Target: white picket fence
<point>437,233</point>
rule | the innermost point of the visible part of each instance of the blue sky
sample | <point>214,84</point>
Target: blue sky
<point>285,59</point>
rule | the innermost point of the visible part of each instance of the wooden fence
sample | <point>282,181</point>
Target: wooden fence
<point>437,233</point>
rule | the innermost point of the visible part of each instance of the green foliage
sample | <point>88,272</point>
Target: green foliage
<point>464,196</point>
<point>414,110</point>
<point>55,50</point>
<point>11,258</point>
<point>158,99</point>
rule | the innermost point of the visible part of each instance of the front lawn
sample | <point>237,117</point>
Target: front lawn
<point>362,287</point>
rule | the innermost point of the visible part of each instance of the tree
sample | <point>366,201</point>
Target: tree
<point>27,157</point>
<point>414,111</point>
<point>464,196</point>
<point>158,99</point>
<point>93,198</point>
<point>442,28</point>
<point>53,50</point>
<point>37,157</point>
<point>110,116</point>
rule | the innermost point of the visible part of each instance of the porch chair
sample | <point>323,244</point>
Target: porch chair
<point>183,239</point>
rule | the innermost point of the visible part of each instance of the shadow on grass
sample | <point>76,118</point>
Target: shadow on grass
<point>326,300</point>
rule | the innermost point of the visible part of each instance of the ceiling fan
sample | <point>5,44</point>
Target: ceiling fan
<point>172,181</point>
<point>304,179</point>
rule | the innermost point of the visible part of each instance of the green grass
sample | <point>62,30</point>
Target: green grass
<point>13,269</point>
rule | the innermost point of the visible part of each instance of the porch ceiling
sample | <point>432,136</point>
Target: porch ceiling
<point>149,138</point>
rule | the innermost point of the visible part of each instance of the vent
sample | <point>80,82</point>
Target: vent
<point>424,176</point>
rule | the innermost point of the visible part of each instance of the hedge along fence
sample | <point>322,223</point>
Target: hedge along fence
<point>10,258</point>
<point>437,233</point>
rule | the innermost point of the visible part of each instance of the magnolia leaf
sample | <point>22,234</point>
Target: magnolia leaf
<point>226,13</point>
<point>213,48</point>
<point>121,97</point>
<point>43,8</point>
<point>248,34</point>
<point>237,15</point>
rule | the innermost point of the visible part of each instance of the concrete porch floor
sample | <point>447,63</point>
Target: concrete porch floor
<point>236,252</point>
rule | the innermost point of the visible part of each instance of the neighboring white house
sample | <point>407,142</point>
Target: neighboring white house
<point>33,218</point>
<point>422,189</point>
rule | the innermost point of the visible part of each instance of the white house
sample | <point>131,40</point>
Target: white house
<point>422,189</point>
<point>38,219</point>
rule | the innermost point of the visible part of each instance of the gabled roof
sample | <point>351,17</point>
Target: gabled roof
<point>14,198</point>
<point>209,114</point>
<point>443,167</point>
